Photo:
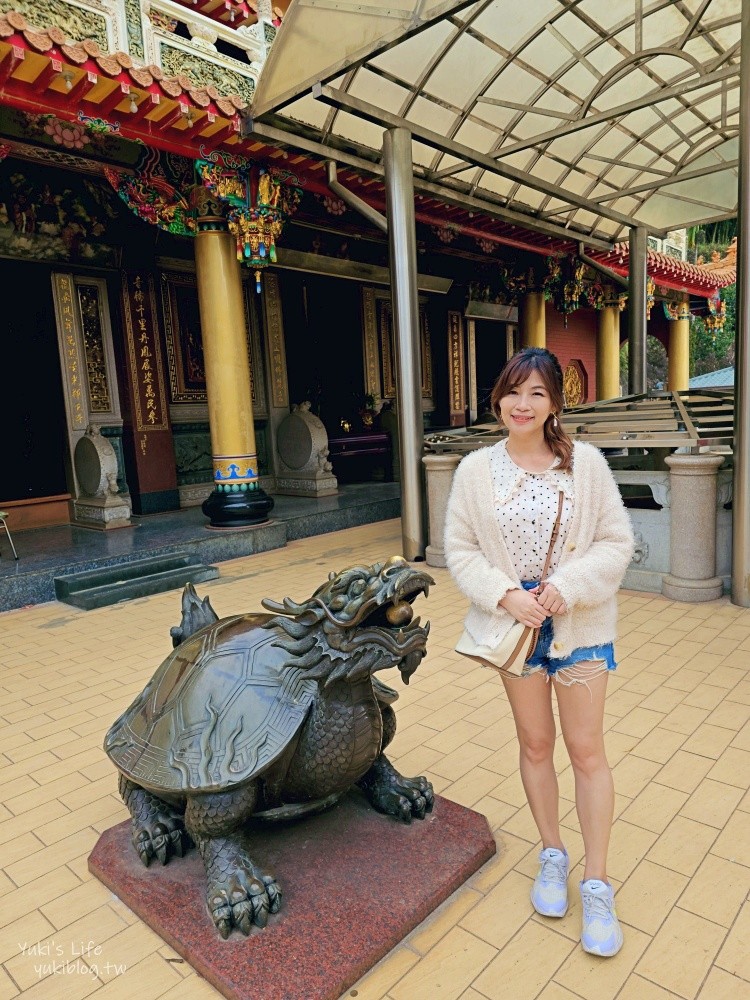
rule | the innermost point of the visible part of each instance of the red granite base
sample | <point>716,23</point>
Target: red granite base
<point>354,882</point>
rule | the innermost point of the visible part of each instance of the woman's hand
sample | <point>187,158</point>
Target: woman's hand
<point>551,600</point>
<point>524,607</point>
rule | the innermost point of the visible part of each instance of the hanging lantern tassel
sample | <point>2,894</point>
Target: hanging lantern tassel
<point>257,282</point>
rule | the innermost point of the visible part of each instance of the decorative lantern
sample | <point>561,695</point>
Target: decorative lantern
<point>258,206</point>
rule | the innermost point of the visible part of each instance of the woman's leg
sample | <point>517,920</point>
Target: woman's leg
<point>581,708</point>
<point>531,702</point>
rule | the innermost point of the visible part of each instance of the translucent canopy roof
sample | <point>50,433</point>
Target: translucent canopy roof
<point>590,114</point>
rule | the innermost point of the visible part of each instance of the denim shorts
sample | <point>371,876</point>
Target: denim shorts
<point>552,665</point>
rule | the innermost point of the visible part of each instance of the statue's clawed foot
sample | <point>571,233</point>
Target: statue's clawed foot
<point>158,830</point>
<point>389,792</point>
<point>239,893</point>
<point>162,838</point>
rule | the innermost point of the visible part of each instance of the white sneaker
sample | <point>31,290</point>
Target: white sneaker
<point>549,893</point>
<point>601,933</point>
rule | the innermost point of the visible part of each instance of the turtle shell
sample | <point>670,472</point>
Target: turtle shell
<point>217,712</point>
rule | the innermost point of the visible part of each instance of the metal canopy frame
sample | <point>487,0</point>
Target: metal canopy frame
<point>599,115</point>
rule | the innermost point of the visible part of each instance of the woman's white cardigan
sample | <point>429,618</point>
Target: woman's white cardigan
<point>596,553</point>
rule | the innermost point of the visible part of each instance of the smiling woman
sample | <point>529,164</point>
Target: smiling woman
<point>500,539</point>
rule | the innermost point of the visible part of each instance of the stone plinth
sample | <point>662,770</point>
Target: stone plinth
<point>692,560</point>
<point>99,503</point>
<point>440,469</point>
<point>302,446</point>
<point>354,882</point>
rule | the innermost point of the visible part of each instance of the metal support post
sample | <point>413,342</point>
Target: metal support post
<point>402,244</point>
<point>741,488</point>
<point>637,311</point>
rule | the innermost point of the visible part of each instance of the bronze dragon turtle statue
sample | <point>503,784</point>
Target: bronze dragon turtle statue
<point>269,716</point>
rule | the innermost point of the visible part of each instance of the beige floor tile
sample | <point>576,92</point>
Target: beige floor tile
<point>706,696</point>
<point>8,988</point>
<point>734,957</point>
<point>681,953</point>
<point>648,895</point>
<point>511,790</point>
<point>628,846</point>
<point>452,965</point>
<point>553,991</point>
<point>437,925</point>
<point>717,890</point>
<point>21,935</point>
<point>708,741</point>
<point>633,774</point>
<point>685,719</point>
<point>472,788</point>
<point>742,740</point>
<point>638,722</point>
<point>659,744</point>
<point>684,771</point>
<point>654,808</point>
<point>146,980</point>
<point>455,765</point>
<point>502,912</point>
<point>510,850</point>
<point>733,840</point>
<point>496,812</point>
<point>601,979</point>
<point>525,965</point>
<point>638,988</point>
<point>721,985</point>
<point>47,888</point>
<point>712,803</point>
<point>376,984</point>
<point>685,679</point>
<point>733,768</point>
<point>683,845</point>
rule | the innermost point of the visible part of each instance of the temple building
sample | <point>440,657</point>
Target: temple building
<point>198,315</point>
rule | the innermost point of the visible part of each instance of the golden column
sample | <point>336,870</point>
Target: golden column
<point>678,352</point>
<point>608,349</point>
<point>533,328</point>
<point>237,499</point>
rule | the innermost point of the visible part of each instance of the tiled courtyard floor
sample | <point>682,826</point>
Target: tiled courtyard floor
<point>678,739</point>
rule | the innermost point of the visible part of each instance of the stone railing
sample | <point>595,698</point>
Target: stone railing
<point>683,548</point>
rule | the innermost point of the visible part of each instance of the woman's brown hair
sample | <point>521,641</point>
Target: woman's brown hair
<point>516,371</point>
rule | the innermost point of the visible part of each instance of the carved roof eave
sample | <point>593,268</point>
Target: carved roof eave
<point>88,71</point>
<point>703,280</point>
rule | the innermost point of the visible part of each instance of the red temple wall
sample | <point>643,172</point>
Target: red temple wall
<point>577,341</point>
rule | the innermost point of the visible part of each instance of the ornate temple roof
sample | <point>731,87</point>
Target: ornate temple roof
<point>704,279</point>
<point>42,72</point>
<point>81,71</point>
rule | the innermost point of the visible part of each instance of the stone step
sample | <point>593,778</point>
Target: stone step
<point>139,578</point>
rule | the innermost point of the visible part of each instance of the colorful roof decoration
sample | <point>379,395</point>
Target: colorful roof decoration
<point>233,13</point>
<point>42,72</point>
<point>671,272</point>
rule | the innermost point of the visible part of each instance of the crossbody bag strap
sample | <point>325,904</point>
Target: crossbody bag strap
<point>555,533</point>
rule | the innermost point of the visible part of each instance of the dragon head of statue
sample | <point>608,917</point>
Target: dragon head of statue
<point>359,621</point>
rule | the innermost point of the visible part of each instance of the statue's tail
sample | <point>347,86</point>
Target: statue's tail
<point>196,614</point>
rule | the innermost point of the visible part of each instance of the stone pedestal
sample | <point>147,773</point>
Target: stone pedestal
<point>99,504</point>
<point>354,882</point>
<point>440,469</point>
<point>302,447</point>
<point>692,561</point>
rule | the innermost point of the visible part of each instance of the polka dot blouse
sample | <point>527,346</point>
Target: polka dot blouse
<point>526,508</point>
